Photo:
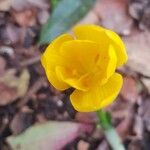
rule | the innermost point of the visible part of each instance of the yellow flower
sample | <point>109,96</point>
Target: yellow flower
<point>86,61</point>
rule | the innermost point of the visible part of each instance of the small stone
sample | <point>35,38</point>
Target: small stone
<point>83,145</point>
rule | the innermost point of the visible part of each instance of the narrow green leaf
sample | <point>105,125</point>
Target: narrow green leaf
<point>65,15</point>
<point>55,3</point>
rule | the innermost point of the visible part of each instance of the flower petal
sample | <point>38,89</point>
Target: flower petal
<point>98,96</point>
<point>51,58</point>
<point>119,47</point>
<point>102,36</point>
<point>111,65</point>
<point>58,84</point>
<point>81,83</point>
<point>106,65</point>
<point>80,61</point>
<point>53,48</point>
<point>92,33</point>
<point>81,54</point>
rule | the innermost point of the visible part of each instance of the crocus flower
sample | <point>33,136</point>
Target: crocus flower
<point>86,60</point>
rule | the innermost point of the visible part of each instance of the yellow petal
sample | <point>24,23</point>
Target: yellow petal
<point>51,58</point>
<point>80,83</point>
<point>98,96</point>
<point>103,37</point>
<point>92,33</point>
<point>58,84</point>
<point>80,54</point>
<point>53,48</point>
<point>60,40</point>
<point>111,66</point>
<point>80,61</point>
<point>118,46</point>
<point>106,64</point>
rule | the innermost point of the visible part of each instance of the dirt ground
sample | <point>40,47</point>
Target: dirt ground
<point>27,98</point>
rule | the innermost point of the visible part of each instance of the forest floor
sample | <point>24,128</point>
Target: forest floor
<point>28,99</point>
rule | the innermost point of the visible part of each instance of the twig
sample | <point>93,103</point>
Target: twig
<point>30,61</point>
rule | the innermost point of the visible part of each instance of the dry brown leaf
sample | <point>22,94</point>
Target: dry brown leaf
<point>145,112</point>
<point>146,82</point>
<point>129,90</point>
<point>138,48</point>
<point>7,94</point>
<point>25,18</point>
<point>13,33</point>
<point>122,115</point>
<point>140,10</point>
<point>90,18</point>
<point>135,145</point>
<point>103,146</point>
<point>82,145</point>
<point>5,5</point>
<point>124,127</point>
<point>21,121</point>
<point>20,5</point>
<point>43,16</point>
<point>113,14</point>
<point>2,65</point>
<point>13,87</point>
<point>138,126</point>
<point>89,117</point>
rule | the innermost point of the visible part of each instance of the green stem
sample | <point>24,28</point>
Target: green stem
<point>54,3</point>
<point>109,131</point>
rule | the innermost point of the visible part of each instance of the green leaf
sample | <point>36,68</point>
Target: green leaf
<point>55,3</point>
<point>65,15</point>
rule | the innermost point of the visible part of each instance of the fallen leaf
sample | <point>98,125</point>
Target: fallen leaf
<point>129,90</point>
<point>25,18</point>
<point>119,109</point>
<point>113,14</point>
<point>42,4</point>
<point>123,128</point>
<point>13,33</point>
<point>2,65</point>
<point>13,87</point>
<point>103,146</point>
<point>82,145</point>
<point>145,23</point>
<point>89,117</point>
<point>138,45</point>
<point>20,5</point>
<point>145,113</point>
<point>90,18</point>
<point>140,10</point>
<point>5,5</point>
<point>146,82</point>
<point>7,94</point>
<point>135,145</point>
<point>43,16</point>
<point>138,126</point>
<point>136,9</point>
<point>21,121</point>
<point>52,135</point>
<point>122,115</point>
